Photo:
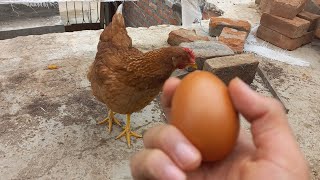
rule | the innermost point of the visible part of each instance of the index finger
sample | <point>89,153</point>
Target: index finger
<point>172,142</point>
<point>169,88</point>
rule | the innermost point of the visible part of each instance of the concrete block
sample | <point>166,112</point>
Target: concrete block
<point>292,28</point>
<point>208,49</point>
<point>217,24</point>
<point>281,40</point>
<point>181,35</point>
<point>243,66</point>
<point>234,39</point>
<point>311,17</point>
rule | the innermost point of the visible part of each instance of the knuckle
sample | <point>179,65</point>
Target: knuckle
<point>144,164</point>
<point>165,134</point>
<point>150,135</point>
<point>153,155</point>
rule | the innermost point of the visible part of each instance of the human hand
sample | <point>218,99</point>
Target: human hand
<point>272,153</point>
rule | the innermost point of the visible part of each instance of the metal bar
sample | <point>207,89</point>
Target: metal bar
<point>102,14</point>
<point>75,11</point>
<point>267,82</point>
<point>68,22</point>
<point>83,21</point>
<point>98,18</point>
<point>90,12</point>
<point>80,27</point>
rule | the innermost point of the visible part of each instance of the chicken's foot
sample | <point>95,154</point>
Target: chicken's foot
<point>110,119</point>
<point>128,133</point>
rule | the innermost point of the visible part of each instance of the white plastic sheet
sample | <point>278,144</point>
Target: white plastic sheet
<point>190,12</point>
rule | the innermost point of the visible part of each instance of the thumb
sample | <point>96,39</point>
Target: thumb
<point>270,129</point>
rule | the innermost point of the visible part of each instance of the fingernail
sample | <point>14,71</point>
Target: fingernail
<point>186,154</point>
<point>172,172</point>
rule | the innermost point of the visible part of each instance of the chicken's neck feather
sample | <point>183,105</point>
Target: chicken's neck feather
<point>154,63</point>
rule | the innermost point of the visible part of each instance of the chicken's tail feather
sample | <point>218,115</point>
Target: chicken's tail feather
<point>119,10</point>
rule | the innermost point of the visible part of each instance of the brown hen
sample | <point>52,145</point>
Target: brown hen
<point>127,80</point>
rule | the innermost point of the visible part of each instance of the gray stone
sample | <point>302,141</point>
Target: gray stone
<point>207,49</point>
<point>243,66</point>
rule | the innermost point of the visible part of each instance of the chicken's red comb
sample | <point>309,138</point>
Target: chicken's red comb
<point>191,53</point>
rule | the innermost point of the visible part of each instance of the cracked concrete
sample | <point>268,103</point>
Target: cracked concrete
<point>48,117</point>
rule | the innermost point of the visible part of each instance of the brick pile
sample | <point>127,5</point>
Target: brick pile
<point>220,54</point>
<point>285,23</point>
<point>231,32</point>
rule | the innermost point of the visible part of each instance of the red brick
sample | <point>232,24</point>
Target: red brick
<point>313,18</point>
<point>181,35</point>
<point>234,39</point>
<point>281,40</point>
<point>149,12</point>
<point>264,4</point>
<point>292,28</point>
<point>308,38</point>
<point>157,18</point>
<point>218,23</point>
<point>173,21</point>
<point>317,32</point>
<point>283,8</point>
<point>153,6</point>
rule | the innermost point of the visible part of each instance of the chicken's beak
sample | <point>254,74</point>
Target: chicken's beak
<point>193,66</point>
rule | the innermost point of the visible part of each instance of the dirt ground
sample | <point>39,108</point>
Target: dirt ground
<point>48,117</point>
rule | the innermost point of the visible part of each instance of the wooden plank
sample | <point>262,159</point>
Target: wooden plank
<point>267,82</point>
<point>84,26</point>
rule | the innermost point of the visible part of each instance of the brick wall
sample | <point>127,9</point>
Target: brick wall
<point>145,13</point>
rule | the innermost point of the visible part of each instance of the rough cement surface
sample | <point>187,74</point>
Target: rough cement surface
<point>48,117</point>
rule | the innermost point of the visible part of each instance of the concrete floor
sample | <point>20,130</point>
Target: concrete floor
<point>48,117</point>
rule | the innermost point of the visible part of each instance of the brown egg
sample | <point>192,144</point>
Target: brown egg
<point>203,111</point>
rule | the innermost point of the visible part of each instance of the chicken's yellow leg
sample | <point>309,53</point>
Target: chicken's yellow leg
<point>128,133</point>
<point>110,119</point>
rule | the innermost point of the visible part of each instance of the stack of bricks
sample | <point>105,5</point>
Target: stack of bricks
<point>285,24</point>
<point>231,32</point>
<point>225,57</point>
